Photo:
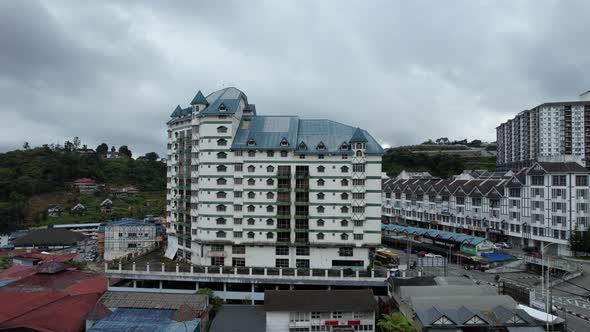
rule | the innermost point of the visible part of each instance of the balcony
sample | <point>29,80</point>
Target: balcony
<point>284,175</point>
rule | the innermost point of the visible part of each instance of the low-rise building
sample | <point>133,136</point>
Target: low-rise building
<point>106,206</point>
<point>536,206</point>
<point>138,311</point>
<point>85,185</point>
<point>79,209</point>
<point>320,310</point>
<point>49,238</point>
<point>127,237</point>
<point>54,211</point>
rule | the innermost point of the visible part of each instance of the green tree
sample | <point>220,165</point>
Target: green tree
<point>124,150</point>
<point>77,143</point>
<point>395,322</point>
<point>214,300</point>
<point>102,149</point>
<point>475,143</point>
<point>152,156</point>
<point>26,146</point>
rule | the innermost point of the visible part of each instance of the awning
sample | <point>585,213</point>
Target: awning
<point>172,247</point>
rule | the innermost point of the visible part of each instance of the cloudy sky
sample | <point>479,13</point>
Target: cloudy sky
<point>113,71</point>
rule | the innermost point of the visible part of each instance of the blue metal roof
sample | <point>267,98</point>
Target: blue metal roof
<point>199,99</point>
<point>177,112</point>
<point>461,238</point>
<point>129,222</point>
<point>358,136</point>
<point>136,320</point>
<point>267,132</point>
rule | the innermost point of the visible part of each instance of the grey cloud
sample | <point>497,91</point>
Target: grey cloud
<point>113,71</point>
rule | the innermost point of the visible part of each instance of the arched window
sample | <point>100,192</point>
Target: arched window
<point>250,235</point>
<point>220,221</point>
<point>302,146</point>
<point>251,208</point>
<point>270,154</point>
<point>221,208</point>
<point>221,181</point>
<point>320,236</point>
<point>269,222</point>
<point>220,234</point>
<point>222,129</point>
<point>221,194</point>
<point>251,153</point>
<point>321,195</point>
<point>222,107</point>
<point>251,182</point>
<point>270,208</point>
<point>344,182</point>
<point>222,168</point>
<point>270,182</point>
<point>251,194</point>
<point>320,222</point>
<point>344,169</point>
<point>344,223</point>
<point>359,153</point>
<point>321,146</point>
<point>251,142</point>
<point>344,196</point>
<point>251,168</point>
<point>270,195</point>
<point>321,182</point>
<point>344,146</point>
<point>221,142</point>
<point>344,236</point>
<point>251,221</point>
<point>270,235</point>
<point>321,169</point>
<point>321,209</point>
<point>284,153</point>
<point>221,155</point>
<point>344,209</point>
<point>270,169</point>
<point>284,142</point>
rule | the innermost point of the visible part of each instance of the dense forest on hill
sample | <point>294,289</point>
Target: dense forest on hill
<point>443,165</point>
<point>31,172</point>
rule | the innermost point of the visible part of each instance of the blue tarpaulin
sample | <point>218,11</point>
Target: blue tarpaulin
<point>496,257</point>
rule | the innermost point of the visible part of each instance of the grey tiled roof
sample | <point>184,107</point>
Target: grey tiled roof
<point>320,300</point>
<point>144,300</point>
<point>239,318</point>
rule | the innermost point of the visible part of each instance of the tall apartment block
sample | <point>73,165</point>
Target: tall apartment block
<point>554,132</point>
<point>269,191</point>
<point>538,205</point>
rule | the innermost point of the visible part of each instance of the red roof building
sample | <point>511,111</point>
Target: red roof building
<point>48,297</point>
<point>84,180</point>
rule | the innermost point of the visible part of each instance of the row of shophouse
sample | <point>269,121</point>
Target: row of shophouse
<point>535,206</point>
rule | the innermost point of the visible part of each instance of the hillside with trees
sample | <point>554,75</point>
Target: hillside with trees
<point>31,175</point>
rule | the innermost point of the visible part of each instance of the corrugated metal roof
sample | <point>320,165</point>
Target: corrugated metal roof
<point>135,320</point>
<point>474,240</point>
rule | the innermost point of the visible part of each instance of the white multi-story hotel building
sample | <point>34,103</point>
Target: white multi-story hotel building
<point>539,205</point>
<point>273,191</point>
<point>555,132</point>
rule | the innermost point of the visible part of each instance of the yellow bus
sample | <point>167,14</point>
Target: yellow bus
<point>387,259</point>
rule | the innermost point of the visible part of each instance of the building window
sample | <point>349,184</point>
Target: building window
<point>251,142</point>
<point>221,181</point>
<point>362,196</point>
<point>251,195</point>
<point>538,180</point>
<point>345,251</point>
<point>221,155</point>
<point>238,167</point>
<point>251,182</point>
<point>251,153</point>
<point>321,209</point>
<point>251,208</point>
<point>221,168</point>
<point>270,195</point>
<point>284,153</point>
<point>282,251</point>
<point>321,169</point>
<point>237,221</point>
<point>270,154</point>
<point>321,182</point>
<point>220,221</point>
<point>238,261</point>
<point>284,142</point>
<point>336,314</point>
<point>220,234</point>
<point>344,223</point>
<point>238,235</point>
<point>344,182</point>
<point>344,236</point>
<point>221,142</point>
<point>237,207</point>
<point>270,235</point>
<point>251,169</point>
<point>358,236</point>
<point>239,250</point>
<point>270,208</point>
<point>302,263</point>
<point>581,180</point>
<point>358,168</point>
<point>302,251</point>
<point>270,169</point>
<point>320,222</point>
<point>344,209</point>
<point>321,196</point>
<point>299,316</point>
<point>221,194</point>
<point>269,222</point>
<point>344,196</point>
<point>250,235</point>
<point>238,181</point>
<point>558,180</point>
<point>320,236</point>
<point>344,169</point>
<point>270,182</point>
<point>282,262</point>
<point>221,208</point>
<point>358,182</point>
<point>251,221</point>
<point>222,129</point>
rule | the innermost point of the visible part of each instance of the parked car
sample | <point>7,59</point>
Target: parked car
<point>430,255</point>
<point>421,253</point>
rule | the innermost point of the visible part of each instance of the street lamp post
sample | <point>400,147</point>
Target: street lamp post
<point>548,305</point>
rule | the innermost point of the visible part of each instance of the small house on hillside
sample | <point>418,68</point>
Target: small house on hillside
<point>85,185</point>
<point>106,206</point>
<point>54,211</point>
<point>130,190</point>
<point>79,209</point>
